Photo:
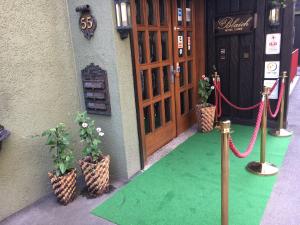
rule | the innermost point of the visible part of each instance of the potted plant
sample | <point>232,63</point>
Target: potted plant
<point>205,111</point>
<point>94,165</point>
<point>63,177</point>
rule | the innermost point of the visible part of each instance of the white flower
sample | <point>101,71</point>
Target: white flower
<point>84,125</point>
<point>101,133</point>
<point>212,87</point>
<point>98,129</point>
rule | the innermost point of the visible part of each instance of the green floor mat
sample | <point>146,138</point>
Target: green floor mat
<point>183,188</point>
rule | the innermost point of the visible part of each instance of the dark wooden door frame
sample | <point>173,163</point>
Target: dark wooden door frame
<point>199,63</point>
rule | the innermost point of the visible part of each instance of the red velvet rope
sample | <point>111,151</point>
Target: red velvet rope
<point>219,101</point>
<point>249,149</point>
<point>233,105</point>
<point>273,87</point>
<point>273,115</point>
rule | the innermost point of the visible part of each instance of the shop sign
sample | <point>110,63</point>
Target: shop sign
<point>269,84</point>
<point>180,41</point>
<point>236,24</point>
<point>95,90</point>
<point>179,11</point>
<point>273,44</point>
<point>272,69</point>
<point>189,43</point>
<point>188,14</point>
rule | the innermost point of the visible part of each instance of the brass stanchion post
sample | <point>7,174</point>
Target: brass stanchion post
<point>281,132</point>
<point>262,167</point>
<point>225,131</point>
<point>217,122</point>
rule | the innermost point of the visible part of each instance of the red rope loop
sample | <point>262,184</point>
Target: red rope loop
<point>219,101</point>
<point>273,115</point>
<point>218,88</point>
<point>249,149</point>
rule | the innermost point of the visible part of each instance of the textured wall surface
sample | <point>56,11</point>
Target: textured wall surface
<point>112,54</point>
<point>40,86</point>
<point>38,89</point>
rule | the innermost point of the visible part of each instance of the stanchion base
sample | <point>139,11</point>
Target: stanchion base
<point>262,169</point>
<point>281,133</point>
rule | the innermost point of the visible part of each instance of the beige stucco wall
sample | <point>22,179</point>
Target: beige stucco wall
<point>38,89</point>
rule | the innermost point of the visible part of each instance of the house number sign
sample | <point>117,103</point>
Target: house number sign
<point>87,22</point>
<point>234,24</point>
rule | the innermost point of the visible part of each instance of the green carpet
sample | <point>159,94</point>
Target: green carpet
<point>183,188</point>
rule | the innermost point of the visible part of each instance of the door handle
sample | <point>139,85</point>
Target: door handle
<point>172,73</point>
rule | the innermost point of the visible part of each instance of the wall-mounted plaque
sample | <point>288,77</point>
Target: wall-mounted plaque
<point>95,88</point>
<point>235,24</point>
<point>222,53</point>
<point>273,44</point>
<point>269,84</point>
<point>272,69</point>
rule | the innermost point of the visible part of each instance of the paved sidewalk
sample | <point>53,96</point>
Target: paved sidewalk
<point>283,207</point>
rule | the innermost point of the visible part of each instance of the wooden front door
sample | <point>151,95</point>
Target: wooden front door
<point>165,76</point>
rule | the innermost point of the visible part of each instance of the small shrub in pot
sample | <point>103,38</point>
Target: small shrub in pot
<point>94,165</point>
<point>63,177</point>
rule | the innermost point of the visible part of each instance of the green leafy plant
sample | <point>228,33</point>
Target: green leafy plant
<point>282,2</point>
<point>204,89</point>
<point>58,140</point>
<point>90,135</point>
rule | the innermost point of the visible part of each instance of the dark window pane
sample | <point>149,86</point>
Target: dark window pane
<point>181,74</point>
<point>139,12</point>
<point>179,12</point>
<point>166,78</point>
<point>147,119</point>
<point>150,12</point>
<point>168,109</point>
<point>164,45</point>
<point>153,46</point>
<point>157,114</point>
<point>188,12</point>
<point>190,99</point>
<point>189,43</point>
<point>144,81</point>
<point>180,42</point>
<point>163,12</point>
<point>190,71</point>
<point>155,82</point>
<point>182,103</point>
<point>141,42</point>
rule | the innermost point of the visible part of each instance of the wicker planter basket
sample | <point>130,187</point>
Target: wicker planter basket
<point>205,117</point>
<point>64,186</point>
<point>96,175</point>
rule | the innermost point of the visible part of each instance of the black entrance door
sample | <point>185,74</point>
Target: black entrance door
<point>238,56</point>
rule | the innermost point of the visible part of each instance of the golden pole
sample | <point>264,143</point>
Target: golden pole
<point>217,122</point>
<point>262,167</point>
<point>225,131</point>
<point>281,132</point>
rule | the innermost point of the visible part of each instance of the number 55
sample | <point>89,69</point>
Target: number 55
<point>86,22</point>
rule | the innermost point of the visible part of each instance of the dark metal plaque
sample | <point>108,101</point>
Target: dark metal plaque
<point>235,24</point>
<point>96,93</point>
